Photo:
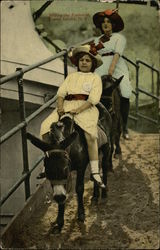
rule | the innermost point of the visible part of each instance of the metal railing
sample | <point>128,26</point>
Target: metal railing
<point>140,90</point>
<point>25,120</point>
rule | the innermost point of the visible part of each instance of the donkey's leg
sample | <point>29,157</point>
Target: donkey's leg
<point>106,150</point>
<point>95,196</point>
<point>109,153</point>
<point>80,191</point>
<point>118,151</point>
<point>57,226</point>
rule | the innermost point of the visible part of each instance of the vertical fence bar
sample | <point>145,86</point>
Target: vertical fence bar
<point>158,102</point>
<point>117,4</point>
<point>23,133</point>
<point>152,78</point>
<point>65,65</point>
<point>137,92</point>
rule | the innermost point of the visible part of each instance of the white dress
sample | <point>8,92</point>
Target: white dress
<point>116,44</point>
<point>79,83</point>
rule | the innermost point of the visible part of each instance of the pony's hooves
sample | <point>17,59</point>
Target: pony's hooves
<point>81,217</point>
<point>110,170</point>
<point>55,230</point>
<point>117,156</point>
<point>104,194</point>
<point>94,200</point>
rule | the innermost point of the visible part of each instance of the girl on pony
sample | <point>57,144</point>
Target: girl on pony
<point>78,95</point>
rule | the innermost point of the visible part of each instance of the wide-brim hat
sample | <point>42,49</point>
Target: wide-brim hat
<point>88,49</point>
<point>113,16</point>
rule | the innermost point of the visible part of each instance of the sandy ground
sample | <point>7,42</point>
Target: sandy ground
<point>128,219</point>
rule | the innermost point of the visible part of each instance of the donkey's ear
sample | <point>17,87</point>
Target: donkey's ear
<point>44,146</point>
<point>119,80</point>
<point>68,141</point>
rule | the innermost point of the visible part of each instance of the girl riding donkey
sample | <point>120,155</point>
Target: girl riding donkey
<point>111,45</point>
<point>78,95</point>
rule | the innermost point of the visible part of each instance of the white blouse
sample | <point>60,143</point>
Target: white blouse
<point>116,44</point>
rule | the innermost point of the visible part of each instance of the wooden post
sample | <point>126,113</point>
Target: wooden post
<point>117,4</point>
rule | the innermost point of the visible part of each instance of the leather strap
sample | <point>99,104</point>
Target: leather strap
<point>108,54</point>
<point>76,97</point>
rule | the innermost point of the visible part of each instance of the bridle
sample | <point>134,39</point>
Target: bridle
<point>68,181</point>
<point>112,99</point>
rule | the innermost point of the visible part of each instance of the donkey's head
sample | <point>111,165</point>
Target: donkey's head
<point>109,84</point>
<point>56,162</point>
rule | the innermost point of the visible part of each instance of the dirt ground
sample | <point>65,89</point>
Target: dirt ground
<point>129,219</point>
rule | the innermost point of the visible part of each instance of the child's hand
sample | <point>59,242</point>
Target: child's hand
<point>60,111</point>
<point>74,111</point>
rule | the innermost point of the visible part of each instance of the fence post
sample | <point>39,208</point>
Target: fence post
<point>152,76</point>
<point>65,65</point>
<point>137,91</point>
<point>158,95</point>
<point>23,133</point>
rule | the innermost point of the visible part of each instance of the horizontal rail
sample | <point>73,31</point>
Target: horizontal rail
<point>147,65</point>
<point>30,67</point>
<point>134,92</point>
<point>147,118</point>
<point>37,64</point>
<point>6,215</point>
<point>26,93</point>
<point>43,107</point>
<point>28,119</point>
<point>147,93</point>
<point>24,64</point>
<point>133,117</point>
<point>17,184</point>
<point>131,62</point>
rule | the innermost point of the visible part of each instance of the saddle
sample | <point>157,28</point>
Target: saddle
<point>102,137</point>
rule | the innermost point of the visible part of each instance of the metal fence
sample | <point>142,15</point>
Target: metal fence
<point>25,120</point>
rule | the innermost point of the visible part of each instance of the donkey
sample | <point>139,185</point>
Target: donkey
<point>111,100</point>
<point>68,151</point>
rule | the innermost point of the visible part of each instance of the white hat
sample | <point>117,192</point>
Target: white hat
<point>89,49</point>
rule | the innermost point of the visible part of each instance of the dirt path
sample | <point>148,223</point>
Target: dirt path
<point>129,219</point>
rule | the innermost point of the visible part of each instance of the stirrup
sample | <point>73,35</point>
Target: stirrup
<point>100,184</point>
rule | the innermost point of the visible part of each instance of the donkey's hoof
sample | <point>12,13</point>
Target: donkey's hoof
<point>117,155</point>
<point>55,229</point>
<point>104,194</point>
<point>81,217</point>
<point>94,200</point>
<point>110,169</point>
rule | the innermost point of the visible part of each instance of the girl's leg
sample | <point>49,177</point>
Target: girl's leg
<point>93,156</point>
